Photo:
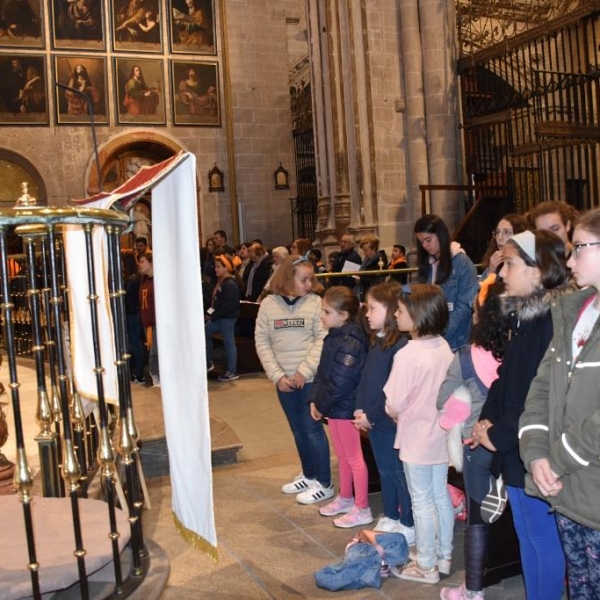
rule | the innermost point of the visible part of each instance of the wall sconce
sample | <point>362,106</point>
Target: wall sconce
<point>215,180</point>
<point>282,181</point>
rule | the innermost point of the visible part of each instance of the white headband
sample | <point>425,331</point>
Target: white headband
<point>526,241</point>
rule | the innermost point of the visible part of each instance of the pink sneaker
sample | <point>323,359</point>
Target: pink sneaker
<point>339,505</point>
<point>354,517</point>
<point>460,593</point>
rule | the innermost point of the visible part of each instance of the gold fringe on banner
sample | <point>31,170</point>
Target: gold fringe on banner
<point>191,537</point>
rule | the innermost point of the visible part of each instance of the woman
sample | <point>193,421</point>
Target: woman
<point>535,276</point>
<point>560,436</point>
<point>447,265</point>
<point>194,98</point>
<point>289,339</point>
<point>80,81</point>
<point>140,99</point>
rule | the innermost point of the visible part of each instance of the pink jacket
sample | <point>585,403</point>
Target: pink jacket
<point>411,393</point>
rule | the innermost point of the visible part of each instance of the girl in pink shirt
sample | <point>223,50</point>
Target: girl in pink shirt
<point>411,392</point>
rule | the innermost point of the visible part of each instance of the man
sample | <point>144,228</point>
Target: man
<point>220,240</point>
<point>347,254</point>
<point>141,247</point>
<point>399,262</point>
<point>257,273</point>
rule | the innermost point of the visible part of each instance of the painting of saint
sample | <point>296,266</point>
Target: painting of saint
<point>192,26</point>
<point>86,80</point>
<point>21,23</point>
<point>78,24</point>
<point>136,25</point>
<point>195,90</point>
<point>23,90</point>
<point>140,85</point>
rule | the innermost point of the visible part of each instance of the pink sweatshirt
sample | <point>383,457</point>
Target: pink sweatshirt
<point>411,392</point>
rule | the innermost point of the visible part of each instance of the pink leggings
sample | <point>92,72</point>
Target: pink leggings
<point>351,464</point>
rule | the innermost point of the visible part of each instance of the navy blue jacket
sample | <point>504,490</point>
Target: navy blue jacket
<point>226,300</point>
<point>370,397</point>
<point>342,359</point>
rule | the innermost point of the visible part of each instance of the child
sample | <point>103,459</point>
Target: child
<point>333,396</point>
<point>534,273</point>
<point>467,382</point>
<point>289,338</point>
<point>417,374</point>
<point>560,438</point>
<point>223,313</point>
<point>370,415</point>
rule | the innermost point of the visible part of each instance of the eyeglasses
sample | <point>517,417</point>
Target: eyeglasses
<point>577,248</point>
<point>507,233</point>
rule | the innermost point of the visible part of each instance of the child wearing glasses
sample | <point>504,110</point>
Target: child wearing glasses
<point>560,427</point>
<point>507,226</point>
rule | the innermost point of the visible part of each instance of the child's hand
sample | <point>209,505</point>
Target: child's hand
<point>361,421</point>
<point>285,384</point>
<point>480,433</point>
<point>297,380</point>
<point>314,412</point>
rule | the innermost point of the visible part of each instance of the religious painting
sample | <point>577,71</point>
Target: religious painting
<point>195,93</point>
<point>139,86</point>
<point>78,24</point>
<point>23,96</point>
<point>22,24</point>
<point>136,25</point>
<point>192,26</point>
<point>82,90</point>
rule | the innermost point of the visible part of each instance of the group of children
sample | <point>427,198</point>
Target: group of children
<point>523,396</point>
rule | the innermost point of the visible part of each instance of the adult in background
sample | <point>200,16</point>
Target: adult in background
<point>347,253</point>
<point>221,246</point>
<point>222,315</point>
<point>148,314</point>
<point>135,332</point>
<point>557,217</point>
<point>257,273</point>
<point>444,263</point>
<point>370,248</point>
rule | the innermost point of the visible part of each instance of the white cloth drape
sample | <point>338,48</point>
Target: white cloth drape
<point>180,333</point>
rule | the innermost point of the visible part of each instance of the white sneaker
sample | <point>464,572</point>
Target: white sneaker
<point>298,484</point>
<point>315,493</point>
<point>387,525</point>
<point>444,565</point>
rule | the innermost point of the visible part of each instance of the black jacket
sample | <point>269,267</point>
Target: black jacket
<point>531,332</point>
<point>342,359</point>
<point>261,276</point>
<point>226,300</point>
<point>338,265</point>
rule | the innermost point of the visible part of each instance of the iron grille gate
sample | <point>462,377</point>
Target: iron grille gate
<point>304,206</point>
<point>531,114</point>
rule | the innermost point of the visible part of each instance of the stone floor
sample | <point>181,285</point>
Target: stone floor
<point>269,546</point>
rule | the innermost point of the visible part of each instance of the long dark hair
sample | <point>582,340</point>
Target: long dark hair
<point>433,224</point>
<point>490,329</point>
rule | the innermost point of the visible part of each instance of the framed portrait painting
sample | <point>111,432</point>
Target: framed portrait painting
<point>195,93</point>
<point>78,24</point>
<point>85,79</point>
<point>22,24</point>
<point>23,96</point>
<point>139,86</point>
<point>136,25</point>
<point>192,26</point>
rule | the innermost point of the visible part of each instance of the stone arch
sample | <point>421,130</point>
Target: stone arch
<point>22,169</point>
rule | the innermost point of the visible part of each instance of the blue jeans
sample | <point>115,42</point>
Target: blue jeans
<point>226,327</point>
<point>542,556</point>
<point>433,512</point>
<point>394,489</point>
<point>135,334</point>
<point>477,476</point>
<point>582,548</point>
<point>309,435</point>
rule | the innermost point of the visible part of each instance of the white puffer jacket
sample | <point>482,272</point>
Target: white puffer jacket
<point>289,337</point>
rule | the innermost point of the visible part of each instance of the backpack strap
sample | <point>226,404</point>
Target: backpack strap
<point>468,368</point>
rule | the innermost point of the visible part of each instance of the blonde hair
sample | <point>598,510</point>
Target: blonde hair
<point>283,283</point>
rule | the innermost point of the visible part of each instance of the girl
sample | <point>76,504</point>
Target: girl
<point>508,226</point>
<point>447,265</point>
<point>222,316</point>
<point>560,437</point>
<point>471,373</point>
<point>333,395</point>
<point>385,341</point>
<point>534,274</point>
<point>417,373</point>
<point>557,217</point>
<point>289,338</point>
